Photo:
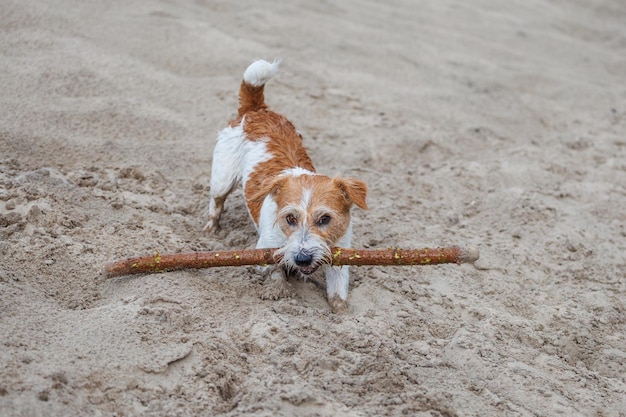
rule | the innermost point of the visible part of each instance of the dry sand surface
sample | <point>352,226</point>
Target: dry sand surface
<point>498,124</point>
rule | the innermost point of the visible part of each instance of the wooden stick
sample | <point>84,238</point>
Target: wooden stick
<point>339,256</point>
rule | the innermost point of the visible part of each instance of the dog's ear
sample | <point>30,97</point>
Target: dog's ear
<point>270,186</point>
<point>275,185</point>
<point>353,190</point>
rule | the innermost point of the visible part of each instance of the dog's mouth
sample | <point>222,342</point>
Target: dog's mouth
<point>304,262</point>
<point>308,270</point>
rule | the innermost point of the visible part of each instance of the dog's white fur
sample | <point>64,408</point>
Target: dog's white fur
<point>293,208</point>
<point>260,72</point>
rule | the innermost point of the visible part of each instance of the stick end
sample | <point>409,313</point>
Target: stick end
<point>468,254</point>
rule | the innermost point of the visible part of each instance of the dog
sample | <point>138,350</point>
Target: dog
<point>293,208</point>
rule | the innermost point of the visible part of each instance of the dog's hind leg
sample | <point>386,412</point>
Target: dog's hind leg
<point>216,206</point>
<point>225,172</point>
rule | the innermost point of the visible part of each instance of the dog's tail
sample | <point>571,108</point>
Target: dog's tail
<point>251,96</point>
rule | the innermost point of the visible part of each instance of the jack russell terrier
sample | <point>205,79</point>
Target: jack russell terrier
<point>295,209</point>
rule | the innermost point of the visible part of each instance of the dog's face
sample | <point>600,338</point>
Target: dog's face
<point>313,211</point>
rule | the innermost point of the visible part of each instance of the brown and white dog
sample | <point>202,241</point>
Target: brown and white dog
<point>294,208</point>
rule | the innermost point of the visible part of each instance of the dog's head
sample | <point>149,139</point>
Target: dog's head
<point>313,211</point>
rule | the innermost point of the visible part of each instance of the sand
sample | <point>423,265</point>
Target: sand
<point>495,124</point>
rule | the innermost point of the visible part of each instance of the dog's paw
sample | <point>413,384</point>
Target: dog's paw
<point>337,305</point>
<point>275,289</point>
<point>211,226</point>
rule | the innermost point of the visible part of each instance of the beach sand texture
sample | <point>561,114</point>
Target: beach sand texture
<point>495,124</point>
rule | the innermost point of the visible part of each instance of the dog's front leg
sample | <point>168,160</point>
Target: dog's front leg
<point>275,285</point>
<point>270,236</point>
<point>337,282</point>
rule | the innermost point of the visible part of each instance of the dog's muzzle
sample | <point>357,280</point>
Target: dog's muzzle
<point>304,262</point>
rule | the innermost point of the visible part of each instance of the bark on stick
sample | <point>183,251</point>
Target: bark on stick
<point>262,257</point>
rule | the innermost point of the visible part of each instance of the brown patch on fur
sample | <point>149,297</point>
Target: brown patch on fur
<point>251,98</point>
<point>284,143</point>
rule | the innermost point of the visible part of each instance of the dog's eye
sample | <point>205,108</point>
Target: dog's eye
<point>291,220</point>
<point>324,220</point>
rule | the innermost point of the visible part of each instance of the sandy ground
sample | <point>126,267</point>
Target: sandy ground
<point>499,124</point>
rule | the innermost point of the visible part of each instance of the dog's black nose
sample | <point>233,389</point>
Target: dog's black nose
<point>303,259</point>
